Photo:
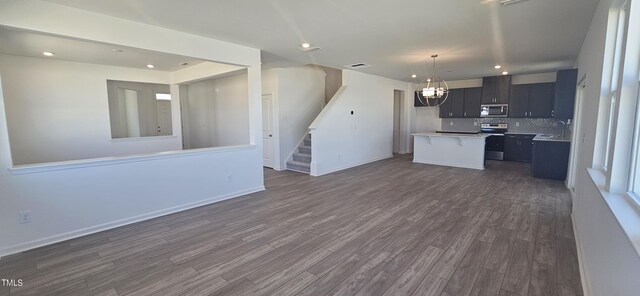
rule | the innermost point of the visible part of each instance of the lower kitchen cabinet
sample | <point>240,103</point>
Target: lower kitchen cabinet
<point>550,159</point>
<point>518,147</point>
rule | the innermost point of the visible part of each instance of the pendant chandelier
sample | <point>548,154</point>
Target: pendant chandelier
<point>434,91</point>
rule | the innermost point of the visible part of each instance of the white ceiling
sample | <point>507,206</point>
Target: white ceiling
<point>395,37</point>
<point>23,43</point>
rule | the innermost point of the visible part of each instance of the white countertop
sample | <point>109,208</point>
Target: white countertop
<point>452,135</point>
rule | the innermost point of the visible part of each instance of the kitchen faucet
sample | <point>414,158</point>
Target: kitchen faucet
<point>564,125</point>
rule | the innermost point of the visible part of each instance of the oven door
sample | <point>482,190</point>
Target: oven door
<point>494,147</point>
<point>501,110</point>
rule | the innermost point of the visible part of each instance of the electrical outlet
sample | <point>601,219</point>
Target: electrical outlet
<point>517,123</point>
<point>451,123</point>
<point>475,123</point>
<point>24,217</point>
<point>230,178</point>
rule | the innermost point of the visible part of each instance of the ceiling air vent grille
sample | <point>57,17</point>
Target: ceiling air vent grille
<point>357,66</point>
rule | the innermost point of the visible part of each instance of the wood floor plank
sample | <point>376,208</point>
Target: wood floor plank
<point>567,268</point>
<point>488,283</point>
<point>498,257</point>
<point>294,286</point>
<point>413,276</point>
<point>465,276</point>
<point>431,286</point>
<point>517,275</point>
<point>335,276</point>
<point>378,284</point>
<point>360,277</point>
<point>543,280</point>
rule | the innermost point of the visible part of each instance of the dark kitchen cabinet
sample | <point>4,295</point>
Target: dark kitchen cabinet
<point>518,147</point>
<point>445,109</point>
<point>519,100</point>
<point>531,100</point>
<point>495,89</point>
<point>457,102</point>
<point>453,106</point>
<point>550,159</point>
<point>565,94</point>
<point>472,102</point>
<point>541,100</point>
<point>461,103</point>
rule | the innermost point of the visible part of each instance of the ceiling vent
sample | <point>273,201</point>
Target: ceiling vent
<point>509,2</point>
<point>309,49</point>
<point>357,66</point>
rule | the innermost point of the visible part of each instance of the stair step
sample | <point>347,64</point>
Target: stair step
<point>299,166</point>
<point>308,137</point>
<point>302,157</point>
<point>304,149</point>
<point>307,142</point>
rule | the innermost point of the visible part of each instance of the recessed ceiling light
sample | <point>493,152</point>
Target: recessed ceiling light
<point>305,45</point>
<point>414,76</point>
<point>505,73</point>
<point>497,67</point>
<point>117,50</point>
<point>150,66</point>
<point>48,53</point>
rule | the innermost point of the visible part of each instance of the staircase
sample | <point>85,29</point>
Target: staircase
<point>301,161</point>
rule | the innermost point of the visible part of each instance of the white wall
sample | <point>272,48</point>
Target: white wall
<point>59,110</point>
<point>218,112</point>
<point>608,259</point>
<point>70,201</point>
<point>333,81</point>
<point>341,139</point>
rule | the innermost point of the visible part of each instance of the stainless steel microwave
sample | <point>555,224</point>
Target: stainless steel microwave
<point>494,110</point>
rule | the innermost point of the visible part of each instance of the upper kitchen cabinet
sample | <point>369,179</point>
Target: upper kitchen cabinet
<point>461,103</point>
<point>531,100</point>
<point>519,100</point>
<point>565,94</point>
<point>495,89</point>
<point>472,102</point>
<point>457,102</point>
<point>541,100</point>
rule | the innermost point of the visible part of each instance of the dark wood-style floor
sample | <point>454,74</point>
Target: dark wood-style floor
<point>387,228</point>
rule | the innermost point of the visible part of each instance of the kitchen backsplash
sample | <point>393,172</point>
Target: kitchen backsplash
<point>516,125</point>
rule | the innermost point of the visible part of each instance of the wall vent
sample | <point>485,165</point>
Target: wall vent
<point>357,66</point>
<point>310,49</point>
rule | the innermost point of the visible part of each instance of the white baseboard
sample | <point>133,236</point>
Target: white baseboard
<point>122,222</point>
<point>584,277</point>
<point>347,166</point>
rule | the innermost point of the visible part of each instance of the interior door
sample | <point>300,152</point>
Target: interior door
<point>267,130</point>
<point>163,116</point>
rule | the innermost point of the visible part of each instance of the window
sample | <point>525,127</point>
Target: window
<point>634,180</point>
<point>617,26</point>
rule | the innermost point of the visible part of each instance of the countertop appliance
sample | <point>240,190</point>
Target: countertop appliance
<point>494,110</point>
<point>494,147</point>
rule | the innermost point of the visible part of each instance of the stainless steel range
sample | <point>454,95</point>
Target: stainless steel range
<point>494,147</point>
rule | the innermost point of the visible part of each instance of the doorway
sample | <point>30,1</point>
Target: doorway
<point>267,130</point>
<point>577,137</point>
<point>397,116</point>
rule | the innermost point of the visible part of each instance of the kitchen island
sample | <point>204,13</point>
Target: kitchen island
<point>450,149</point>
